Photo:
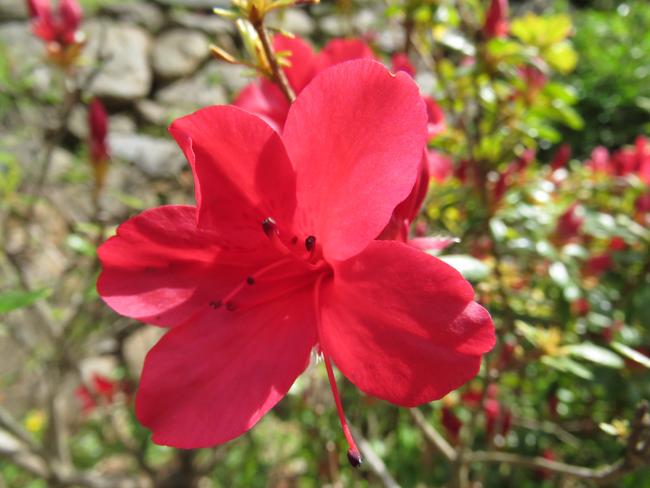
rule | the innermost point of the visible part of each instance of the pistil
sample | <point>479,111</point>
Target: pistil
<point>354,456</point>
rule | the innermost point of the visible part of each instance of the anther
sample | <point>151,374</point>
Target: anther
<point>310,243</point>
<point>269,226</point>
<point>354,456</point>
<point>216,304</point>
<point>250,280</point>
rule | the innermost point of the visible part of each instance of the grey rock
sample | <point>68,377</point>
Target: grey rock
<point>125,74</point>
<point>26,54</point>
<point>233,77</point>
<point>292,20</point>
<point>208,23</point>
<point>145,14</point>
<point>179,52</point>
<point>199,4</point>
<point>156,157</point>
<point>205,88</point>
<point>13,9</point>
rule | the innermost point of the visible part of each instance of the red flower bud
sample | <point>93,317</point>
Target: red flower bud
<point>496,19</point>
<point>98,124</point>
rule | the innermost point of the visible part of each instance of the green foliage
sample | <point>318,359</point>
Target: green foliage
<point>612,77</point>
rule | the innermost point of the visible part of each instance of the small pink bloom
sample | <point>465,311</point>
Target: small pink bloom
<point>279,258</point>
<point>496,19</point>
<point>599,161</point>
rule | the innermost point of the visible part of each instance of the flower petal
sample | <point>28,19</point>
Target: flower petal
<point>160,268</point>
<point>265,100</point>
<point>340,50</point>
<point>402,325</point>
<point>303,61</point>
<point>241,171</point>
<point>212,379</point>
<point>356,136</point>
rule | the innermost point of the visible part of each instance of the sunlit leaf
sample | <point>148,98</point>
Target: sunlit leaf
<point>632,354</point>
<point>596,354</point>
<point>13,300</point>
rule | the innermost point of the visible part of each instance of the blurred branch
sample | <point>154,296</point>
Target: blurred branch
<point>433,436</point>
<point>373,461</point>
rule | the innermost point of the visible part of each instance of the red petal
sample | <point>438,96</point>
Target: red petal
<point>401,62</point>
<point>160,268</point>
<point>70,13</point>
<point>340,50</point>
<point>304,61</point>
<point>241,171</point>
<point>265,100</point>
<point>402,325</point>
<point>356,135</point>
<point>212,379</point>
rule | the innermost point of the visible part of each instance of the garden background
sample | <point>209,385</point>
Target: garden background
<point>540,187</point>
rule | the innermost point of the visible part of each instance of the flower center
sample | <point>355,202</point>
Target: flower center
<point>296,269</point>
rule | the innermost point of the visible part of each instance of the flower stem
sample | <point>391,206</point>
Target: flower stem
<point>279,78</point>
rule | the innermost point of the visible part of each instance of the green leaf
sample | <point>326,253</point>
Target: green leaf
<point>13,300</point>
<point>471,268</point>
<point>596,354</point>
<point>81,245</point>
<point>562,57</point>
<point>632,354</point>
<point>568,365</point>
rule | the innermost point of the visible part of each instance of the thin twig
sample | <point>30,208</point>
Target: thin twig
<point>279,77</point>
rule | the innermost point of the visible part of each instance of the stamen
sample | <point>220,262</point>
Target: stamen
<point>310,243</point>
<point>270,227</point>
<point>354,456</point>
<point>250,280</point>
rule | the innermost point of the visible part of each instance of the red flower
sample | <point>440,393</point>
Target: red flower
<point>599,264</point>
<point>580,307</point>
<point>451,423</point>
<point>265,99</point>
<point>496,19</point>
<point>642,204</point>
<point>562,157</point>
<point>278,258</point>
<point>100,388</point>
<point>59,30</point>
<point>569,224</point>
